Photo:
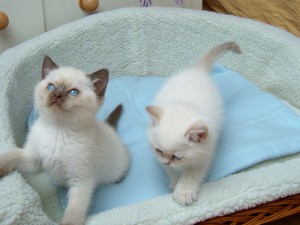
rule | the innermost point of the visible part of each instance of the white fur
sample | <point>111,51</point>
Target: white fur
<point>70,144</point>
<point>187,117</point>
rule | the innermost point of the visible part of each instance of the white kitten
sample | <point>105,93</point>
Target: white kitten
<point>67,141</point>
<point>186,122</point>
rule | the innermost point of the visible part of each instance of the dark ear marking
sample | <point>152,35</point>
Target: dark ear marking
<point>48,65</point>
<point>100,80</point>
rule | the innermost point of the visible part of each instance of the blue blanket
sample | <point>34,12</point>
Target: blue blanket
<point>257,127</point>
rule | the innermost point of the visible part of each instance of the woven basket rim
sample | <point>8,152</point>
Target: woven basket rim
<point>261,214</point>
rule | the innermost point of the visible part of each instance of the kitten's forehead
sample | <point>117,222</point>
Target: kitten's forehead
<point>171,130</point>
<point>68,76</point>
<point>167,141</point>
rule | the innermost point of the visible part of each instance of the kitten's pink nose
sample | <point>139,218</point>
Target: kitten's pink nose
<point>167,162</point>
<point>57,95</point>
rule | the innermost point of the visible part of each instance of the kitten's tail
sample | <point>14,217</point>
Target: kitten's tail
<point>210,57</point>
<point>114,116</point>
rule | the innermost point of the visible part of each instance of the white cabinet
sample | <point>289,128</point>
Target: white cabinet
<point>28,18</point>
<point>25,21</point>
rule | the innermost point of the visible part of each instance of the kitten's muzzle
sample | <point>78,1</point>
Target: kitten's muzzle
<point>57,95</point>
<point>167,162</point>
<point>57,99</point>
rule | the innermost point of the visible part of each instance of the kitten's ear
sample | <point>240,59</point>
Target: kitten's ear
<point>48,65</point>
<point>156,113</point>
<point>100,80</point>
<point>198,132</point>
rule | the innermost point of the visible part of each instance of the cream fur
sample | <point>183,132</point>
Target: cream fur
<point>187,118</point>
<point>69,143</point>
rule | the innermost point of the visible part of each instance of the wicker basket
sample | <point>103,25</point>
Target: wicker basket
<point>261,214</point>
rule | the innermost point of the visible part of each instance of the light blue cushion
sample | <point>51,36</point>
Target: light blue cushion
<point>257,127</point>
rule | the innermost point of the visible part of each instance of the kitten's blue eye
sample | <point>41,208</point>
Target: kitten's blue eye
<point>51,87</point>
<point>74,92</point>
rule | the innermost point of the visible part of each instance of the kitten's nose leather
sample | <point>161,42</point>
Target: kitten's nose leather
<point>167,162</point>
<point>57,95</point>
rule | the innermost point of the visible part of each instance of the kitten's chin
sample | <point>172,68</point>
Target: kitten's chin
<point>172,165</point>
<point>57,108</point>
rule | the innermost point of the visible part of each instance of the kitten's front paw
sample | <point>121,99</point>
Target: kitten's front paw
<point>4,171</point>
<point>5,166</point>
<point>72,221</point>
<point>172,185</point>
<point>185,196</point>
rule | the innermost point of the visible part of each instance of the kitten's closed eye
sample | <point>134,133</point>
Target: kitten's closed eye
<point>158,151</point>
<point>176,157</point>
<point>173,157</point>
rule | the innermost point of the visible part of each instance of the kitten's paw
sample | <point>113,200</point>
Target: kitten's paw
<point>66,223</point>
<point>5,166</point>
<point>70,223</point>
<point>4,171</point>
<point>172,185</point>
<point>185,196</point>
<point>80,221</point>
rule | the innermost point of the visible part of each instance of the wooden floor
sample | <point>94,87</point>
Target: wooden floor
<point>290,220</point>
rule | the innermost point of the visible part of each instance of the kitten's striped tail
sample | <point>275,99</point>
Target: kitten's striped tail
<point>210,57</point>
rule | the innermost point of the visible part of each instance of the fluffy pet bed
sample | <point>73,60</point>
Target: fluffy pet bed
<point>147,42</point>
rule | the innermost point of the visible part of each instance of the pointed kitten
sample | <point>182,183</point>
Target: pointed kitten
<point>186,121</point>
<point>67,141</point>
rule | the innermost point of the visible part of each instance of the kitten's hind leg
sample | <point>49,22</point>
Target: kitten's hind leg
<point>23,160</point>
<point>78,203</point>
